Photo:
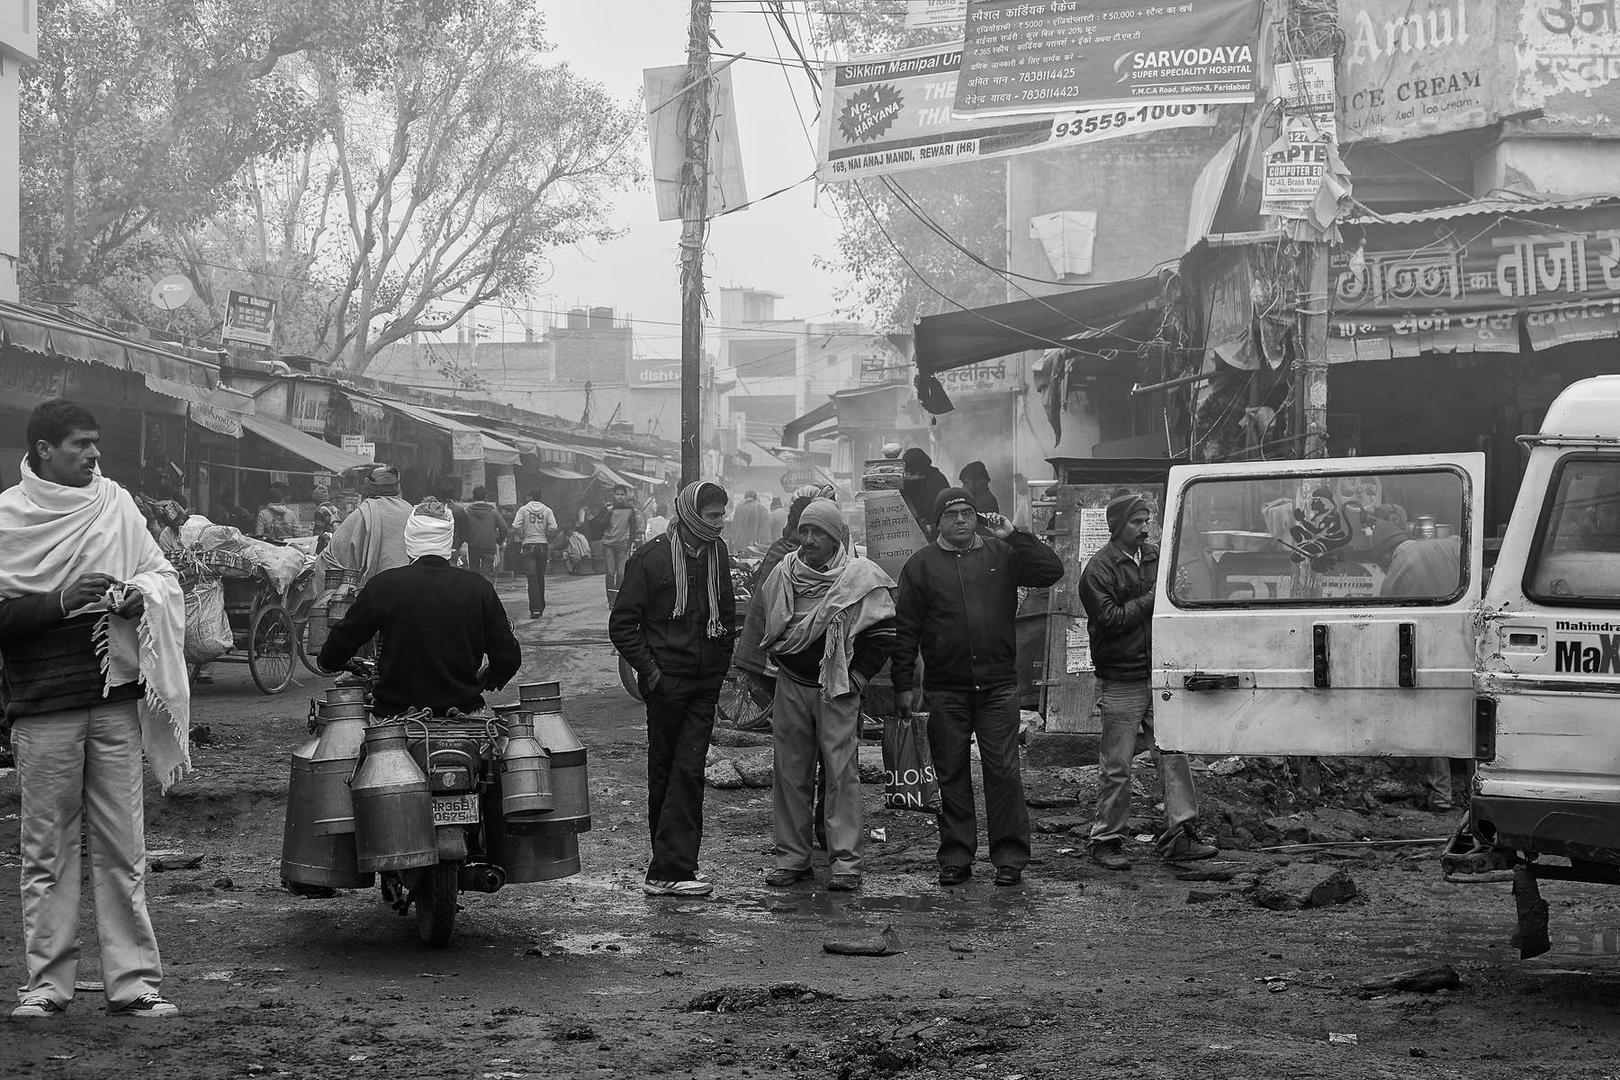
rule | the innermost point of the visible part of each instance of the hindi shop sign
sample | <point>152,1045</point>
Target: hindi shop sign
<point>1068,54</point>
<point>891,532</point>
<point>1569,47</point>
<point>249,319</point>
<point>1405,294</point>
<point>892,112</point>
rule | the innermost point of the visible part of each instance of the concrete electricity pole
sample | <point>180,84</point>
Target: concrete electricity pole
<point>697,109</point>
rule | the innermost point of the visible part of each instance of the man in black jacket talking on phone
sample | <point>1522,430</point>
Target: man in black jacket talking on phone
<point>957,600</point>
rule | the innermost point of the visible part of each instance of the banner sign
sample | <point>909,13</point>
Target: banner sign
<point>1295,165</point>
<point>891,532</point>
<point>249,319</point>
<point>1087,54</point>
<point>1412,68</point>
<point>888,113</point>
<point>924,14</point>
<point>1404,293</point>
<point>666,139</point>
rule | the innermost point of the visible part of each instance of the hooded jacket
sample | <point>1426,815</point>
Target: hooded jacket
<point>486,528</point>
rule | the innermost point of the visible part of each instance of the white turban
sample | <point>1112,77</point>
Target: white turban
<point>428,534</point>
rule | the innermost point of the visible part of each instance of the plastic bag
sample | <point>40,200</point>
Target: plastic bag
<point>208,630</point>
<point>909,781</point>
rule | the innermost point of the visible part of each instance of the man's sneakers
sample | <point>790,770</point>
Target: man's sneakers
<point>1110,855</point>
<point>150,1007</point>
<point>785,876</point>
<point>1183,844</point>
<point>677,888</point>
<point>37,1007</point>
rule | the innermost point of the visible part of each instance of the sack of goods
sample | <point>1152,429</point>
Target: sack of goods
<point>909,781</point>
<point>208,630</point>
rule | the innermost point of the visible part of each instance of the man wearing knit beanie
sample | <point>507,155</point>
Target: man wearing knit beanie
<point>1116,589</point>
<point>957,601</point>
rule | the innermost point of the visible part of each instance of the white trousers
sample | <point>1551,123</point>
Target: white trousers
<point>82,769</point>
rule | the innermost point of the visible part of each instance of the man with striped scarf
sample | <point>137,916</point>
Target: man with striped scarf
<point>674,622</point>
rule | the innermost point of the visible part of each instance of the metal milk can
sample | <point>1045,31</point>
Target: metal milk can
<point>308,859</point>
<point>570,784</point>
<point>393,809</point>
<point>334,758</point>
<point>524,767</point>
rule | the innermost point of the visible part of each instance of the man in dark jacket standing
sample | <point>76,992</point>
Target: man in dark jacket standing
<point>486,533</point>
<point>957,600</point>
<point>674,620</point>
<point>1116,589</point>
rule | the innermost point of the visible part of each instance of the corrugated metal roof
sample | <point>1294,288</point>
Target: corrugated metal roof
<point>1481,207</point>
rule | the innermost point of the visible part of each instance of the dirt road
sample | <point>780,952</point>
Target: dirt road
<point>1077,973</point>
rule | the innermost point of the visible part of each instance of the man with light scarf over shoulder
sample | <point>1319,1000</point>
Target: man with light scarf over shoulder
<point>829,625</point>
<point>92,673</point>
<point>674,621</point>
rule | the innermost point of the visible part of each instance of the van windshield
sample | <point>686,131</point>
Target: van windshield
<point>1576,559</point>
<point>1327,538</point>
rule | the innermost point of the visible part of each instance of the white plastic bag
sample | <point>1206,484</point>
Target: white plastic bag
<point>208,630</point>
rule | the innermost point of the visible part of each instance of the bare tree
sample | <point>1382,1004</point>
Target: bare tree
<point>469,161</point>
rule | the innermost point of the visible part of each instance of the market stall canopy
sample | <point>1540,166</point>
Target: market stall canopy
<point>318,451</point>
<point>171,374</point>
<point>650,481</point>
<point>608,476</point>
<point>821,414</point>
<point>557,472</point>
<point>499,453</point>
<point>959,338</point>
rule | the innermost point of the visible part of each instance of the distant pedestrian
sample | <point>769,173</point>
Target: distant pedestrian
<point>92,634</point>
<point>976,478</point>
<point>920,485</point>
<point>534,525</point>
<point>1116,589</point>
<point>486,533</point>
<point>372,539</point>
<point>618,524</point>
<point>751,523</point>
<point>779,517</point>
<point>958,598</point>
<point>829,625</point>
<point>449,491</point>
<point>673,621</point>
<point>276,520</point>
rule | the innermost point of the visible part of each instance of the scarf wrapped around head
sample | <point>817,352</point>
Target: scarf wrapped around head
<point>688,529</point>
<point>430,530</point>
<point>53,534</point>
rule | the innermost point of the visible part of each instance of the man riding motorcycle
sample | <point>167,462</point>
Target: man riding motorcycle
<point>437,624</point>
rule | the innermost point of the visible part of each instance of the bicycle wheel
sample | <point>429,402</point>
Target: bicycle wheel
<point>741,705</point>
<point>271,649</point>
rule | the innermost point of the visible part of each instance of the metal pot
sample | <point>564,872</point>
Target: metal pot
<point>343,731</point>
<point>570,780</point>
<point>306,858</point>
<point>525,772</point>
<point>393,809</point>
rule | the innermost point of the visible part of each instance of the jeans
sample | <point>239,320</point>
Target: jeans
<point>1127,722</point>
<point>483,561</point>
<point>535,557</point>
<point>680,718</point>
<point>78,767</point>
<point>991,715</point>
<point>804,729</point>
<point>613,559</point>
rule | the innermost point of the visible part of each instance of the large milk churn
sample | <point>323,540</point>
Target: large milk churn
<point>327,611</point>
<point>393,809</point>
<point>570,785</point>
<point>525,772</point>
<point>306,858</point>
<point>343,714</point>
<point>533,850</point>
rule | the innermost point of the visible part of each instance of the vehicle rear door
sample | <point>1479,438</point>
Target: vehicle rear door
<point>1319,607</point>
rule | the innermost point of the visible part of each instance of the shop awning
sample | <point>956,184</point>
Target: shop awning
<point>557,472</point>
<point>608,476</point>
<point>306,446</point>
<point>966,337</point>
<point>168,373</point>
<point>499,453</point>
<point>809,421</point>
<point>651,481</point>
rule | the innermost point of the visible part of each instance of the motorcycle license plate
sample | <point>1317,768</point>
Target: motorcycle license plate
<point>455,810</point>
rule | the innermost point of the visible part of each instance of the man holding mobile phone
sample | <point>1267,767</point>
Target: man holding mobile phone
<point>957,600</point>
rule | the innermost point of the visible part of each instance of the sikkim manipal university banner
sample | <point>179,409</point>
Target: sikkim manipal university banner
<point>884,114</point>
<point>1034,57</point>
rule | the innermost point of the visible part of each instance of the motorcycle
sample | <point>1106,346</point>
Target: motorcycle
<point>433,806</point>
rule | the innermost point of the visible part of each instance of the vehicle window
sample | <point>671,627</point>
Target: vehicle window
<point>1394,537</point>
<point>1577,558</point>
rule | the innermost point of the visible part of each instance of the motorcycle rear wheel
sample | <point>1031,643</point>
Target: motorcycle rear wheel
<point>436,902</point>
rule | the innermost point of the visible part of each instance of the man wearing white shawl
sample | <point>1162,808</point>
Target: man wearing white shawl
<point>92,628</point>
<point>829,625</point>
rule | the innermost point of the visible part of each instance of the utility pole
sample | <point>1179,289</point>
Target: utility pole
<point>697,109</point>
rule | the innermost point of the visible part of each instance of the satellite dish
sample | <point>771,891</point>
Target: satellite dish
<point>172,291</point>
